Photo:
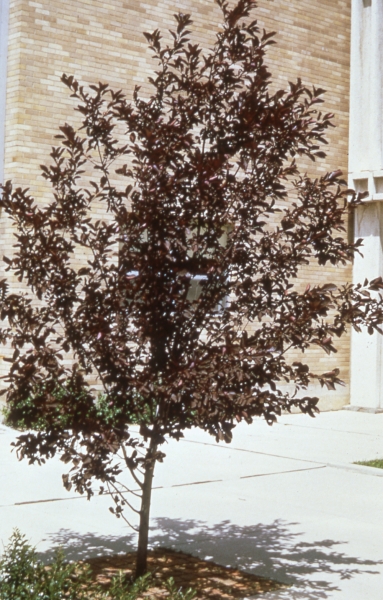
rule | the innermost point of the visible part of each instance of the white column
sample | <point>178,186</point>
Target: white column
<point>4,18</point>
<point>366,350</point>
<point>366,149</point>
<point>366,174</point>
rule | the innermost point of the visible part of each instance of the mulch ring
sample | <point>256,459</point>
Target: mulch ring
<point>209,580</point>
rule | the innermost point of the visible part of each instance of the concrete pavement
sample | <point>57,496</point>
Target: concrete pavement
<point>284,502</point>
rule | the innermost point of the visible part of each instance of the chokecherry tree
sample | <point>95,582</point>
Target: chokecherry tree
<point>185,310</point>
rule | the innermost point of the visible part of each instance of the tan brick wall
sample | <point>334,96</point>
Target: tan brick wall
<point>101,40</point>
<point>314,44</point>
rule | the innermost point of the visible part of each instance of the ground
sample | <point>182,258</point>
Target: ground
<point>285,503</point>
<point>209,580</point>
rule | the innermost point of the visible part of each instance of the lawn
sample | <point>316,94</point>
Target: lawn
<point>377,463</point>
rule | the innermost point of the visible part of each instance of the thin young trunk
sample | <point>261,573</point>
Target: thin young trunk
<point>143,532</point>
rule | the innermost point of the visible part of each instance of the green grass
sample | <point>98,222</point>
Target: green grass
<point>377,463</point>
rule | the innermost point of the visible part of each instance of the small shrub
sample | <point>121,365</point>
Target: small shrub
<point>27,414</point>
<point>178,594</point>
<point>24,577</point>
<point>121,589</point>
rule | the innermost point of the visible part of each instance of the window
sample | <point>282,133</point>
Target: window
<point>195,290</point>
<point>196,279</point>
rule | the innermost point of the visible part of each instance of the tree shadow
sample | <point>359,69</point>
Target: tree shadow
<point>78,546</point>
<point>273,551</point>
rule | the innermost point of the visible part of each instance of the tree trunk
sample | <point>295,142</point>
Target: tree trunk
<point>143,532</point>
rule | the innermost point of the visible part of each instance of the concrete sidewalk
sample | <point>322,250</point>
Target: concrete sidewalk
<point>284,502</point>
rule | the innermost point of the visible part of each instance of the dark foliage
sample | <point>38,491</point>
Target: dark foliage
<point>186,307</point>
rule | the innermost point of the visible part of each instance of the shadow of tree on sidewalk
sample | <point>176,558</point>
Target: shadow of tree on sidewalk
<point>271,550</point>
<point>78,546</point>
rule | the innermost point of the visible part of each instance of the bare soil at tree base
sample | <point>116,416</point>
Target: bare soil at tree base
<point>209,580</point>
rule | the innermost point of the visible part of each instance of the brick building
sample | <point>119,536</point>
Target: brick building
<point>102,41</point>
